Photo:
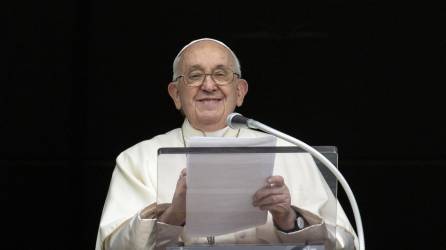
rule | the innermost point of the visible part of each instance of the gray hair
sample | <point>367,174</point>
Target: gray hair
<point>178,57</point>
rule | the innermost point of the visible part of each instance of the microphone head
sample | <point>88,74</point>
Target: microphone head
<point>236,120</point>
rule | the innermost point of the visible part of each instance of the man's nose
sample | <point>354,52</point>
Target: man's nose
<point>208,83</point>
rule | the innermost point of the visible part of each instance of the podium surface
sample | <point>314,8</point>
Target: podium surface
<point>288,161</point>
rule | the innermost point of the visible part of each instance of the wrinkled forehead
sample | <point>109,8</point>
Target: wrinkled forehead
<point>206,53</point>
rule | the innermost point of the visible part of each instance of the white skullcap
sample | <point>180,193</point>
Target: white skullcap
<point>199,40</point>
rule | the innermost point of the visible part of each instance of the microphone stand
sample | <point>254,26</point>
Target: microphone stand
<point>257,125</point>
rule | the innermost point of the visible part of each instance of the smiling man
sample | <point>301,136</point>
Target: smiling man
<point>209,88</point>
<point>206,87</point>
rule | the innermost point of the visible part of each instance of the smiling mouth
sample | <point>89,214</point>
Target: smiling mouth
<point>209,100</point>
<point>209,104</point>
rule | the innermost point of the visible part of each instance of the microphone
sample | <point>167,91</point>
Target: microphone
<point>236,120</point>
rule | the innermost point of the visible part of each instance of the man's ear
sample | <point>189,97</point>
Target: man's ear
<point>242,90</point>
<point>174,93</point>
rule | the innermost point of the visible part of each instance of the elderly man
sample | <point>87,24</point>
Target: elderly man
<point>206,87</point>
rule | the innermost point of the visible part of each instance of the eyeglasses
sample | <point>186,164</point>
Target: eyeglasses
<point>220,76</point>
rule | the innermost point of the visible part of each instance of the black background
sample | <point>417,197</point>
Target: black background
<point>87,79</point>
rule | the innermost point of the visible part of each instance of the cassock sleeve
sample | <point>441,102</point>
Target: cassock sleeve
<point>132,188</point>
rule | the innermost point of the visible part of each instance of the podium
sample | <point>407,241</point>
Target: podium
<point>310,184</point>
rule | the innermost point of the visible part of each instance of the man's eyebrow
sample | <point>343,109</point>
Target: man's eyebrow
<point>194,67</point>
<point>199,67</point>
<point>221,66</point>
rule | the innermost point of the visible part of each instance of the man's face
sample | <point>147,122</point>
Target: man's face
<point>207,106</point>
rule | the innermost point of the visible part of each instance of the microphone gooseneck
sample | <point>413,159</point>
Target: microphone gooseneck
<point>236,120</point>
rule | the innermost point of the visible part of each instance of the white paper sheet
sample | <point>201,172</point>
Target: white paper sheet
<point>220,187</point>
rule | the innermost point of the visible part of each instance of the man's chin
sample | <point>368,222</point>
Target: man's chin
<point>215,119</point>
<point>209,120</point>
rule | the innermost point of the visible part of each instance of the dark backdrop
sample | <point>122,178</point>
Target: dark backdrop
<point>87,79</point>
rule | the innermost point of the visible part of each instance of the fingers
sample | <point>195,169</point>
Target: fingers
<point>275,196</point>
<point>268,191</point>
<point>181,184</point>
<point>276,181</point>
<point>272,200</point>
<point>184,172</point>
<point>175,214</point>
<point>276,208</point>
<point>275,185</point>
<point>182,178</point>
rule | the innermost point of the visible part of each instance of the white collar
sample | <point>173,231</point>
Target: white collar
<point>188,131</point>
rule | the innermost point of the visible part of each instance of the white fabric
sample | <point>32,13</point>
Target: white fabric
<point>133,187</point>
<point>218,133</point>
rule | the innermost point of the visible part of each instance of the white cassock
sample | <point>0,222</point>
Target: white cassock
<point>134,187</point>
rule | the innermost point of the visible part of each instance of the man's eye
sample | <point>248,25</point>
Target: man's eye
<point>195,76</point>
<point>219,73</point>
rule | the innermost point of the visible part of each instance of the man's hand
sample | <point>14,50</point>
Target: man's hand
<point>275,197</point>
<point>176,213</point>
